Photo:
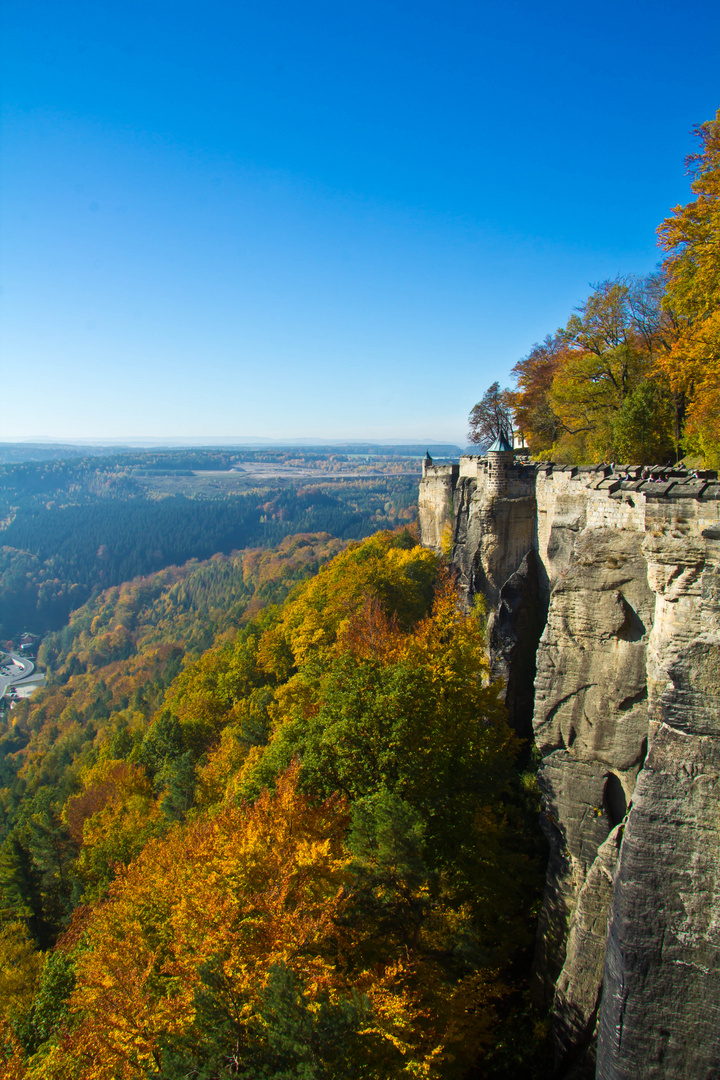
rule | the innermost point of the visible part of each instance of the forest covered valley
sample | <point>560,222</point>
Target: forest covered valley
<point>267,819</point>
<point>72,525</point>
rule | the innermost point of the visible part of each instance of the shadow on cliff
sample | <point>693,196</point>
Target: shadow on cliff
<point>514,631</point>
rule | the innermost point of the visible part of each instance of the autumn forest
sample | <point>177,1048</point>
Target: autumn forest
<point>307,850</point>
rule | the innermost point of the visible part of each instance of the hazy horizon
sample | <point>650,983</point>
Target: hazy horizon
<point>229,441</point>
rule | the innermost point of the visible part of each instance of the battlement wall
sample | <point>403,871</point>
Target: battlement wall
<point>463,500</point>
<point>435,472</point>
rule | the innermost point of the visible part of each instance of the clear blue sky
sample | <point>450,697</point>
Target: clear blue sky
<point>322,219</point>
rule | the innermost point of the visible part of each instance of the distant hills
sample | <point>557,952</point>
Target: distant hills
<point>42,450</point>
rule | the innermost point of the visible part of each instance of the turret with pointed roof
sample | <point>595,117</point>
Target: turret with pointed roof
<point>500,457</point>
<point>501,444</point>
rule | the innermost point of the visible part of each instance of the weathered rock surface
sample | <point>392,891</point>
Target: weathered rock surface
<point>662,991</point>
<point>591,722</point>
<point>579,986</point>
<point>576,825</point>
<point>627,716</point>
<point>630,658</point>
<point>488,536</point>
<point>490,541</point>
<point>591,686</point>
<point>436,504</point>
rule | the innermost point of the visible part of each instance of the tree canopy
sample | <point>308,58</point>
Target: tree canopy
<point>491,416</point>
<point>311,857</point>
<point>691,238</point>
<point>594,390</point>
<point>634,375</point>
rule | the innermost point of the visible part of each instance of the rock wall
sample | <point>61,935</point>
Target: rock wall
<point>621,573</point>
<point>661,995</point>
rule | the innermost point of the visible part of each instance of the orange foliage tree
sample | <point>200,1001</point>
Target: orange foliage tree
<point>250,888</point>
<point>691,238</point>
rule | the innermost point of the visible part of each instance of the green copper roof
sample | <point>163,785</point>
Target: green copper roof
<point>500,445</point>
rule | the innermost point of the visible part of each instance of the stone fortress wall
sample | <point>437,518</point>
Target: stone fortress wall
<point>603,589</point>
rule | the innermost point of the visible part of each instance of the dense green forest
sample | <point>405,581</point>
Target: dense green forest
<point>69,527</point>
<point>252,832</point>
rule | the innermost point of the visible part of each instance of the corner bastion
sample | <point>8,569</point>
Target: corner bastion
<point>603,590</point>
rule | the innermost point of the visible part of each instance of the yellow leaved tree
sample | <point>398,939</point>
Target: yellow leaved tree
<point>691,238</point>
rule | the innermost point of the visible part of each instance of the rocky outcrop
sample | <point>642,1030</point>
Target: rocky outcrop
<point>661,988</point>
<point>487,535</point>
<point>627,717</point>
<point>436,503</point>
<point>591,725</point>
<point>490,540</point>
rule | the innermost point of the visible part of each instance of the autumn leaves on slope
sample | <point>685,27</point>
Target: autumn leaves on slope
<point>635,374</point>
<point>340,897</point>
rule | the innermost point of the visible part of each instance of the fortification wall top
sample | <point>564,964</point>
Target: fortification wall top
<point>472,464</point>
<point>438,471</point>
<point>620,481</point>
<point>612,495</point>
<point>559,501</point>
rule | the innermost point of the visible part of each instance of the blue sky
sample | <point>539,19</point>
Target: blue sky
<point>322,219</point>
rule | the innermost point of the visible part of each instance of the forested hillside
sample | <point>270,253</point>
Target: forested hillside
<point>108,669</point>
<point>303,851</point>
<point>68,527</point>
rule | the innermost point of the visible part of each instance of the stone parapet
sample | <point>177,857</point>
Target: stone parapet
<point>431,472</point>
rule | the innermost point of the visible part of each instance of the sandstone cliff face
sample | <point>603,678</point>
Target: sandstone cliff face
<point>578,990</point>
<point>591,725</point>
<point>514,629</point>
<point>627,717</point>
<point>488,539</point>
<point>488,535</point>
<point>661,987</point>
<point>435,504</point>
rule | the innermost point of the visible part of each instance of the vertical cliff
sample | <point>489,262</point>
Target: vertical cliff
<point>622,570</point>
<point>490,540</point>
<point>661,990</point>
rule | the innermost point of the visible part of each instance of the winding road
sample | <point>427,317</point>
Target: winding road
<point>19,669</point>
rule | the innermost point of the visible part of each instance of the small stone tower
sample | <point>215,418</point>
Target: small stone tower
<point>500,457</point>
<point>427,461</point>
